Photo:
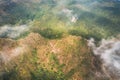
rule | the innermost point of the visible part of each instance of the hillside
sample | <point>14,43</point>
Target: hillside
<point>59,39</point>
<point>36,58</point>
<point>81,18</point>
<point>55,59</point>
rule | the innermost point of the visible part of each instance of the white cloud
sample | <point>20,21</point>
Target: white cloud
<point>109,52</point>
<point>69,13</point>
<point>12,31</point>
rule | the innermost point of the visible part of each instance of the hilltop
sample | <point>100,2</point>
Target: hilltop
<point>37,58</point>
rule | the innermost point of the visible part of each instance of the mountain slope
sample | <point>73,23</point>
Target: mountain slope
<point>47,39</point>
<point>68,58</point>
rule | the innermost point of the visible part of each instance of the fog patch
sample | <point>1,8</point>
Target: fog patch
<point>9,54</point>
<point>12,31</point>
<point>69,14</point>
<point>109,52</point>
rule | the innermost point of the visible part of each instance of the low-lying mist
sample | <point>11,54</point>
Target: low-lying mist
<point>8,55</point>
<point>8,31</point>
<point>109,53</point>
